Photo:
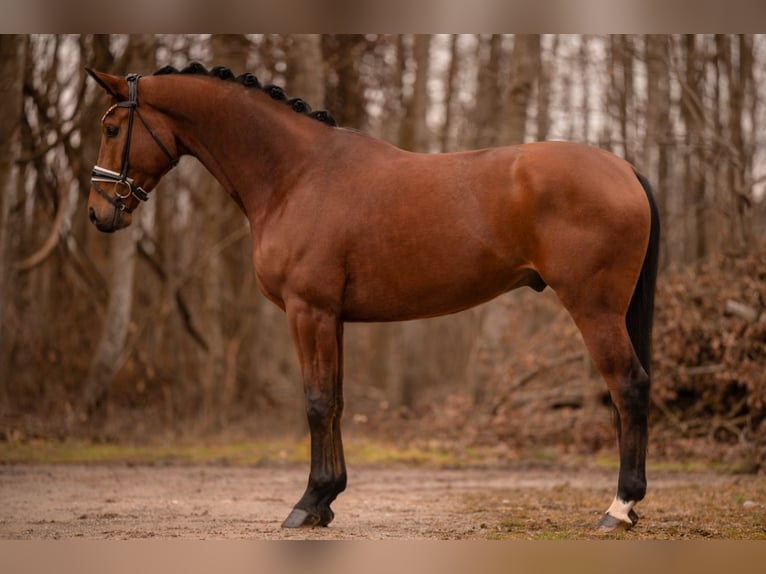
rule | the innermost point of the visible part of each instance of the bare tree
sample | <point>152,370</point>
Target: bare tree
<point>486,358</point>
<point>694,200</point>
<point>414,129</point>
<point>735,55</point>
<point>12,63</point>
<point>112,349</point>
<point>620,96</point>
<point>489,88</point>
<point>344,93</point>
<point>584,68</point>
<point>525,69</point>
<point>305,73</point>
<point>449,96</point>
<point>543,119</point>
<point>655,160</point>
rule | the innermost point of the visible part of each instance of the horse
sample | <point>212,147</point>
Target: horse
<point>346,227</point>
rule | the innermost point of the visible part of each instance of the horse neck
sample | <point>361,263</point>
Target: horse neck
<point>251,144</point>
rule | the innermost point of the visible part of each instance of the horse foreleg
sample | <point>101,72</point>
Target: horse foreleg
<point>318,338</point>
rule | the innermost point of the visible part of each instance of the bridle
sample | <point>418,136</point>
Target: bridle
<point>100,174</point>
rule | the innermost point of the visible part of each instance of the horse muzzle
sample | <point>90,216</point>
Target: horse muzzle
<point>109,219</point>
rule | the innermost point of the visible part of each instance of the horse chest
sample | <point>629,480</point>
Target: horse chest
<point>289,268</point>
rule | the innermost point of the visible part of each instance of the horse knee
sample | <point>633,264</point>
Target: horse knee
<point>320,408</point>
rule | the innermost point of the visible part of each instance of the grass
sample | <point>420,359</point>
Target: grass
<point>690,466</point>
<point>294,451</point>
<point>71,452</point>
<point>712,511</point>
<point>280,451</point>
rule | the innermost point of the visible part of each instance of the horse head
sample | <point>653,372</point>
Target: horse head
<point>133,157</point>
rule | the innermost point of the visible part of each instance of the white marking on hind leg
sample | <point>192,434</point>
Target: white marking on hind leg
<point>620,509</point>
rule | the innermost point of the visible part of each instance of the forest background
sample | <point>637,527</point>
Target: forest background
<point>159,334</point>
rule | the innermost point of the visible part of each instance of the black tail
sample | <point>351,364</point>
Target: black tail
<point>641,309</point>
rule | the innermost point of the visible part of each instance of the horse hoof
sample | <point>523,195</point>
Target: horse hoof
<point>300,518</point>
<point>608,523</point>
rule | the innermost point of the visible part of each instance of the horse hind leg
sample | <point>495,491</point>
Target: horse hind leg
<point>610,347</point>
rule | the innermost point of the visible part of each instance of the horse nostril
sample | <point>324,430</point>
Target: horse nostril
<point>92,214</point>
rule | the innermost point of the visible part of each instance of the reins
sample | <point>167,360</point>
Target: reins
<point>100,174</point>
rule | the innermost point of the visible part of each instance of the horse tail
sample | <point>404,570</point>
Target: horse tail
<point>641,309</point>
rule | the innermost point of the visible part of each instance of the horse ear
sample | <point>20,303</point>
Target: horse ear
<point>114,85</point>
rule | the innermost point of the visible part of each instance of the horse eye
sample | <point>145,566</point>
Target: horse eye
<point>111,131</point>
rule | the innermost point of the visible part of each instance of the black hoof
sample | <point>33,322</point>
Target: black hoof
<point>300,518</point>
<point>608,523</point>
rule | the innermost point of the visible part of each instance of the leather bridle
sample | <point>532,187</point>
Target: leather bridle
<point>103,175</point>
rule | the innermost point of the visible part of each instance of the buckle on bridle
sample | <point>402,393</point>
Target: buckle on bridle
<point>139,193</point>
<point>100,174</point>
<point>128,189</point>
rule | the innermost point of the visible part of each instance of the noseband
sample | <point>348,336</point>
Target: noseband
<point>103,175</point>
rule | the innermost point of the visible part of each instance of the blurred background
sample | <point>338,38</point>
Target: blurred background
<point>158,333</point>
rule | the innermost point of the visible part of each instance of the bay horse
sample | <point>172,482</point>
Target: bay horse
<point>346,227</point>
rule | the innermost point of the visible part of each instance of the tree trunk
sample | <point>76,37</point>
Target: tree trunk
<point>305,75</point>
<point>658,134</point>
<point>694,201</point>
<point>488,108</point>
<point>414,135</point>
<point>584,111</point>
<point>525,68</point>
<point>738,199</point>
<point>449,97</point>
<point>543,119</point>
<point>218,216</point>
<point>344,95</point>
<point>486,356</point>
<point>410,375</point>
<point>112,350</point>
<point>110,353</point>
<point>698,179</point>
<point>12,56</point>
<point>620,95</point>
<point>626,96</point>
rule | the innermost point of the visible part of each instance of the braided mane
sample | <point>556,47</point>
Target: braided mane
<point>250,81</point>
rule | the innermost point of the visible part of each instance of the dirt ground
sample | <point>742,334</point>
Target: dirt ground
<point>120,501</point>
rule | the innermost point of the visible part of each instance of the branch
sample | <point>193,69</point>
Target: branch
<point>50,242</point>
<point>183,309</point>
<point>746,312</point>
<point>61,136</point>
<point>702,370</point>
<point>524,379</point>
<point>697,110</point>
<point>177,284</point>
<point>155,265</point>
<point>214,251</point>
<point>742,191</point>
